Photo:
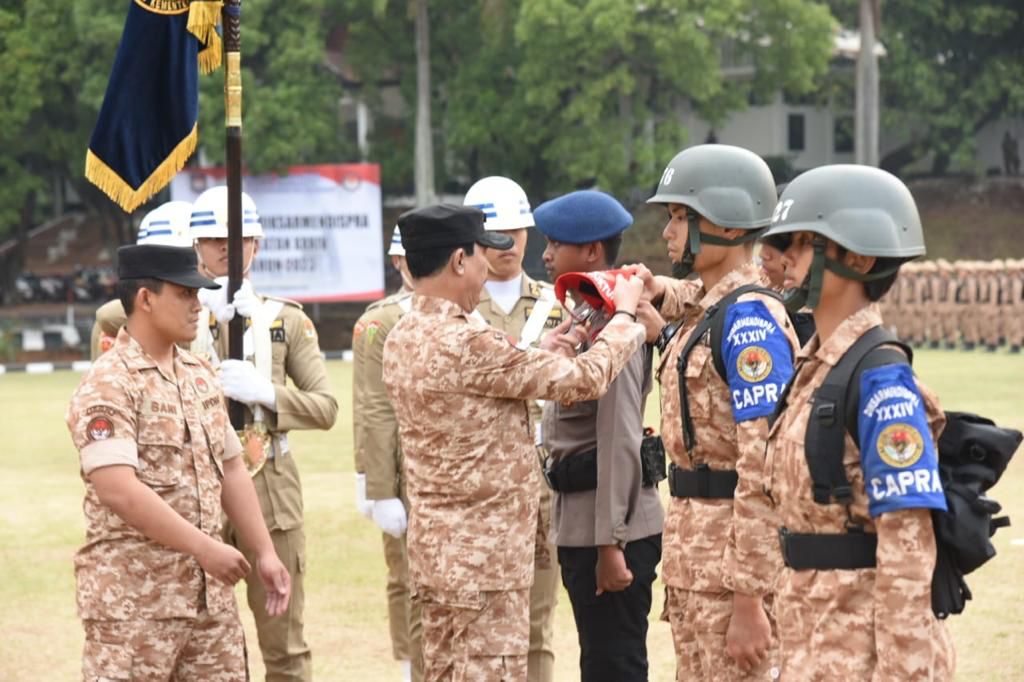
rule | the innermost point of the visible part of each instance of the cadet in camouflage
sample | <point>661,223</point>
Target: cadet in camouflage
<point>380,488</point>
<point>160,462</point>
<point>165,225</point>
<point>852,228</point>
<point>459,389</point>
<point>720,555</point>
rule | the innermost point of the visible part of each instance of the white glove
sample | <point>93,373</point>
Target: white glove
<point>390,515</point>
<point>243,383</point>
<point>245,301</point>
<point>364,505</point>
<point>216,300</point>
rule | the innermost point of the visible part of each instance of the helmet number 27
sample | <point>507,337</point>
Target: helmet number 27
<point>782,210</point>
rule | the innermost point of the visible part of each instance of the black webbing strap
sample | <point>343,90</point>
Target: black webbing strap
<point>699,332</point>
<point>702,482</point>
<point>834,412</point>
<point>828,551</point>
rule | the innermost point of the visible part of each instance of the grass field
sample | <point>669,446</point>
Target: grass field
<point>41,525</point>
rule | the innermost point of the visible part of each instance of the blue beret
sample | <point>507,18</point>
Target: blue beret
<point>582,217</point>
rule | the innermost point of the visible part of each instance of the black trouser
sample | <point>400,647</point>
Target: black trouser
<point>613,627</point>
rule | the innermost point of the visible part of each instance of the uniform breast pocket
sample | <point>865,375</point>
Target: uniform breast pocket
<point>697,389</point>
<point>160,444</point>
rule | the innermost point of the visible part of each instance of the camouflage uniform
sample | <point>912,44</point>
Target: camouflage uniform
<point>544,592</point>
<point>379,458</point>
<point>714,547</point>
<point>866,624</point>
<point>472,478</point>
<point>307,404</point>
<point>151,612</point>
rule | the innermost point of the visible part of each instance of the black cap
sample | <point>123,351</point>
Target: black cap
<point>166,263</point>
<point>441,225</point>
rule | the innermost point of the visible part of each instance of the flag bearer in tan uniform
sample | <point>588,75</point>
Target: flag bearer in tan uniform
<point>720,549</point>
<point>523,308</point>
<point>160,462</point>
<point>380,488</point>
<point>874,620</point>
<point>282,343</point>
<point>608,516</point>
<point>460,388</point>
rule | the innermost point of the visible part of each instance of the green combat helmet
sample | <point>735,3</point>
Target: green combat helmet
<point>863,209</point>
<point>730,186</point>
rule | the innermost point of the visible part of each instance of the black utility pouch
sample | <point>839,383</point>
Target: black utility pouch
<point>652,458</point>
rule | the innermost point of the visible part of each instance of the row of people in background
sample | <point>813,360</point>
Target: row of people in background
<point>445,446</point>
<point>961,304</point>
<point>282,383</point>
<point>84,285</point>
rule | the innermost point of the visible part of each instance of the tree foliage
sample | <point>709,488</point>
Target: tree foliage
<point>953,67</point>
<point>563,93</point>
<point>557,93</point>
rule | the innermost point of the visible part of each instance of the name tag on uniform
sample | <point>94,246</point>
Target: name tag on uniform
<point>277,331</point>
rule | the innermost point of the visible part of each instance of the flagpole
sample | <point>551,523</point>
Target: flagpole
<point>232,19</point>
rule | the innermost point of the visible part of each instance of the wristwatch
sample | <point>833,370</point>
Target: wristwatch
<point>665,335</point>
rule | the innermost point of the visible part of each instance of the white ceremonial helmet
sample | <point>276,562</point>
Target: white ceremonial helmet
<point>210,216</point>
<point>396,248</point>
<point>167,225</point>
<point>503,202</point>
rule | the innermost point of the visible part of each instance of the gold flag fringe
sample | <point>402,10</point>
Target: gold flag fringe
<point>203,18</point>
<point>124,195</point>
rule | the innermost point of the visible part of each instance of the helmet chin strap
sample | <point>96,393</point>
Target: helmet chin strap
<point>694,239</point>
<point>808,294</point>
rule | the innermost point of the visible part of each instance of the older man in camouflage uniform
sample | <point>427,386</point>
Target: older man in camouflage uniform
<point>160,461</point>
<point>459,389</point>
<point>524,308</point>
<point>873,620</point>
<point>380,487</point>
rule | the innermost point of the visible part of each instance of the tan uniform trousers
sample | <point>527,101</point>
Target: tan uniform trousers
<point>286,655</point>
<point>969,323</point>
<point>209,648</point>
<point>404,618</point>
<point>475,637</point>
<point>699,622</point>
<point>543,599</point>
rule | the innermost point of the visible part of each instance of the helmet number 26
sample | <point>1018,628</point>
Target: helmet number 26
<point>782,210</point>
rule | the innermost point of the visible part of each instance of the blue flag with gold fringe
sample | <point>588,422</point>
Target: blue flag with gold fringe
<point>146,129</point>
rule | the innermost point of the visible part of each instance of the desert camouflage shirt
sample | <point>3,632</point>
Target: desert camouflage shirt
<point>459,390</point>
<point>714,544</point>
<point>173,430</point>
<point>880,620</point>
